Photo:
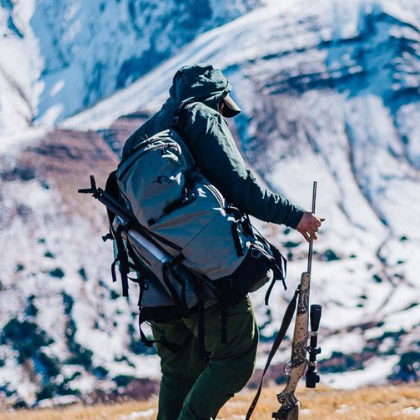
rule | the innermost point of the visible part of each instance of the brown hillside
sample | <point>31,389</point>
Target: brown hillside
<point>374,403</point>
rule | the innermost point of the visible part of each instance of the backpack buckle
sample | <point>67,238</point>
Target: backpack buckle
<point>175,121</point>
<point>255,253</point>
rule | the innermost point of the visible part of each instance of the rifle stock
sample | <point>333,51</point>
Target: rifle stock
<point>291,414</point>
<point>289,408</point>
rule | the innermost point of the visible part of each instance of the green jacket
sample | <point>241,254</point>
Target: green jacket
<point>210,141</point>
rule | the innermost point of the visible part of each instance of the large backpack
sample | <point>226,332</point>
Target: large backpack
<point>186,246</point>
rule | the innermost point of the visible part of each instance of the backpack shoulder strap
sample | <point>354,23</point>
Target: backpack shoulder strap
<point>111,187</point>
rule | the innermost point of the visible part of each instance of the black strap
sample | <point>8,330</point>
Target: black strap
<point>123,259</point>
<point>203,354</point>
<point>146,342</point>
<point>237,240</point>
<point>188,197</point>
<point>279,267</point>
<point>111,187</point>
<point>234,211</point>
<point>139,265</point>
<point>246,225</point>
<point>181,202</point>
<point>223,318</point>
<point>114,274</point>
<point>183,285</point>
<point>242,219</point>
<point>167,267</point>
<point>280,260</point>
<point>178,259</point>
<point>153,237</point>
<point>172,347</point>
<point>270,289</point>
<point>287,319</point>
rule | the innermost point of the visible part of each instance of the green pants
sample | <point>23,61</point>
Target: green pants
<point>192,389</point>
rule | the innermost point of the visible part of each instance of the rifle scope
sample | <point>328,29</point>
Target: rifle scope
<point>312,376</point>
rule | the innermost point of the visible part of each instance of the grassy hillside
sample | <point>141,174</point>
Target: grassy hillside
<point>381,403</point>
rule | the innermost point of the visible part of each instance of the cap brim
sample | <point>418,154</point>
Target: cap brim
<point>231,108</point>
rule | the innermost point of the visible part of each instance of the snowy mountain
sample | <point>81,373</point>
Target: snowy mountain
<point>330,91</point>
<point>59,57</point>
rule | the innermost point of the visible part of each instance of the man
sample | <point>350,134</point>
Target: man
<point>192,389</point>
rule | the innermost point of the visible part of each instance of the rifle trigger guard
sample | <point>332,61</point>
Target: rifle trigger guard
<point>288,368</point>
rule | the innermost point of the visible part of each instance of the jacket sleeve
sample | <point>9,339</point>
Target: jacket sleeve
<point>213,147</point>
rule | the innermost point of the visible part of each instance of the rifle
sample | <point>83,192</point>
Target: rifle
<point>108,201</point>
<point>295,369</point>
<point>133,232</point>
<point>289,409</point>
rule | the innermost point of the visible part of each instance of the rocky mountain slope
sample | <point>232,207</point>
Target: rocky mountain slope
<point>329,92</point>
<point>59,57</point>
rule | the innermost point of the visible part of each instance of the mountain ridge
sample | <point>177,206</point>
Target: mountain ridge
<point>342,112</point>
<point>62,57</point>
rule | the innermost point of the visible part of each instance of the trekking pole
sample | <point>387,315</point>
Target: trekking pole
<point>289,408</point>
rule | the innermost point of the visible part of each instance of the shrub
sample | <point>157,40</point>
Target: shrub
<point>123,380</point>
<point>83,274</point>
<point>31,309</point>
<point>57,273</point>
<point>100,372</point>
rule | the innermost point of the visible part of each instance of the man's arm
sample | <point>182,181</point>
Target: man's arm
<point>217,156</point>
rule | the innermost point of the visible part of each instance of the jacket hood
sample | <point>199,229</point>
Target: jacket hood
<point>199,83</point>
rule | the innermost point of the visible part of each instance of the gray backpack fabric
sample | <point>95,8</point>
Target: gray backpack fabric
<point>192,223</point>
<point>178,238</point>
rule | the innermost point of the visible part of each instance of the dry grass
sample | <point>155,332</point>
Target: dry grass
<point>376,403</point>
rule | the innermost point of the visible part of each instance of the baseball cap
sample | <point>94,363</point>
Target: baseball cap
<point>231,108</point>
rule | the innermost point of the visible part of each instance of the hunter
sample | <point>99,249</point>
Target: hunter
<point>193,389</point>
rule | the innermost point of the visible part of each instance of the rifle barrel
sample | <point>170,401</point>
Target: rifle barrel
<point>115,206</point>
<point>311,245</point>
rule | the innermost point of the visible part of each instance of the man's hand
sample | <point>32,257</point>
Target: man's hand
<point>308,226</point>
